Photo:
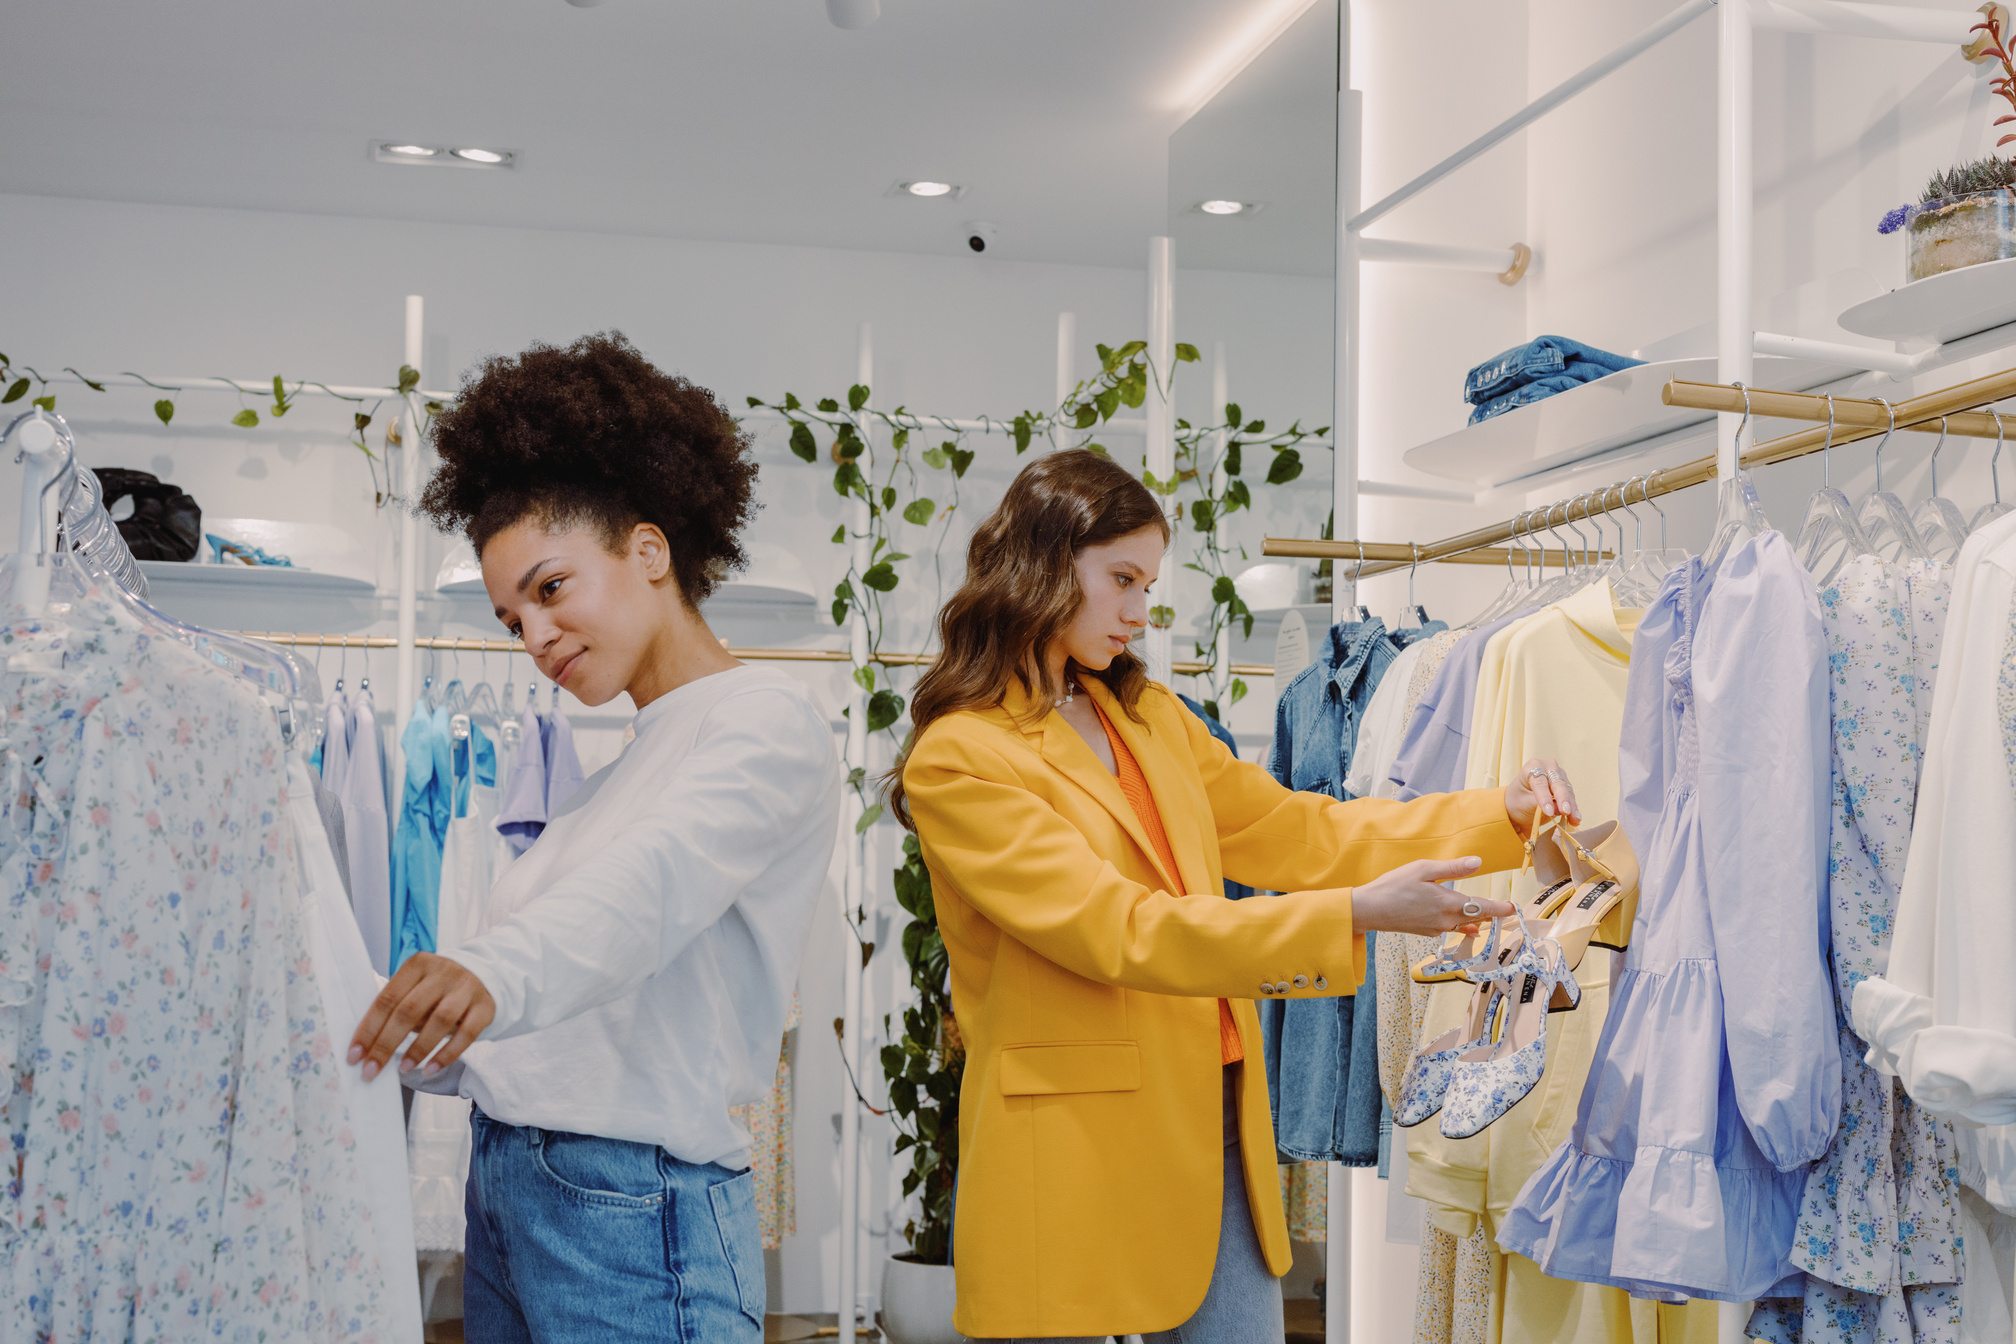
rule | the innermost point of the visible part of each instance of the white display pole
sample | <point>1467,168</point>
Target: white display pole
<point>1343,592</point>
<point>853,891</point>
<point>1733,200</point>
<point>409,539</point>
<point>1161,453</point>
<point>1221,655</point>
<point>1067,362</point>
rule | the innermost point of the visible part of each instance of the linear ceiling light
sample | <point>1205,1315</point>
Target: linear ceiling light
<point>1221,207</point>
<point>1265,20</point>
<point>489,157</point>
<point>928,188</point>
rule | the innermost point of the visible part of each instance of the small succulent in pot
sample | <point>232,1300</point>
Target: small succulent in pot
<point>1967,214</point>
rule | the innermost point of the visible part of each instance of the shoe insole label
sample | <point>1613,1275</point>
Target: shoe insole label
<point>1526,990</point>
<point>1595,894</point>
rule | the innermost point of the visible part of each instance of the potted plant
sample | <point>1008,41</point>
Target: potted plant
<point>924,1067</point>
<point>1967,215</point>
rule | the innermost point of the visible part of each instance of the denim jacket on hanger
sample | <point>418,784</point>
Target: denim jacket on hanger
<point>1322,1055</point>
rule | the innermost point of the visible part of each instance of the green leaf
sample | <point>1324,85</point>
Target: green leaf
<point>881,577</point>
<point>934,457</point>
<point>874,812</point>
<point>362,420</point>
<point>1222,589</point>
<point>1237,496</point>
<point>1186,353</point>
<point>1022,431</point>
<point>888,497</point>
<point>1233,461</point>
<point>896,557</point>
<point>1238,690</point>
<point>164,410</point>
<point>790,401</point>
<point>17,390</point>
<point>919,511</point>
<point>839,612</point>
<point>828,405</point>
<point>1211,708</point>
<point>1232,416</point>
<point>847,478</point>
<point>849,443</point>
<point>1133,391</point>
<point>1107,359</point>
<point>1107,402</point>
<point>1256,427</point>
<point>409,378</point>
<point>280,388</point>
<point>1098,448</point>
<point>1086,416</point>
<point>754,402</point>
<point>839,534</point>
<point>1287,465</point>
<point>47,403</point>
<point>899,440</point>
<point>802,443</point>
<point>281,408</point>
<point>1129,350</point>
<point>94,386</point>
<point>962,458</point>
<point>1200,514</point>
<point>844,590</point>
<point>864,677</point>
<point>246,418</point>
<point>884,708</point>
<point>857,396</point>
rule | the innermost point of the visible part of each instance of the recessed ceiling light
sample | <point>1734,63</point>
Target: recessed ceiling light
<point>928,188</point>
<point>412,151</point>
<point>489,156</point>
<point>1222,207</point>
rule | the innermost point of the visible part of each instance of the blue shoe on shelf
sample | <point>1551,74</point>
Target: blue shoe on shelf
<point>238,553</point>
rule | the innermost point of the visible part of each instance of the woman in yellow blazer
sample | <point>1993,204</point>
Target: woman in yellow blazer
<point>1078,823</point>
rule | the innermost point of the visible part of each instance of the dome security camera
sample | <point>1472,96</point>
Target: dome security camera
<point>979,233</point>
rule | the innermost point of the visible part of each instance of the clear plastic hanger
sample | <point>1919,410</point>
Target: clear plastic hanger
<point>1415,616</point>
<point>1830,527</point>
<point>1738,514</point>
<point>1939,521</point>
<point>88,552</point>
<point>1627,586</point>
<point>1995,508</point>
<point>1883,516</point>
<point>1516,588</point>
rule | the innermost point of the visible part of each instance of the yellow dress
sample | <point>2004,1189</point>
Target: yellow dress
<point>1551,685</point>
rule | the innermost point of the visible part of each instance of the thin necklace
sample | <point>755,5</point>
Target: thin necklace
<point>1070,689</point>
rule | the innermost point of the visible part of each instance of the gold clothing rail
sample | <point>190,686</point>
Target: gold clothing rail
<point>457,645</point>
<point>1852,421</point>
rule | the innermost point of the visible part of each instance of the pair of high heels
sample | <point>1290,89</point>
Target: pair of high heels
<point>1473,1074</point>
<point>1587,881</point>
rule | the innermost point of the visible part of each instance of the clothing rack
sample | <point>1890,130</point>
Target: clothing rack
<point>1854,418</point>
<point>457,645</point>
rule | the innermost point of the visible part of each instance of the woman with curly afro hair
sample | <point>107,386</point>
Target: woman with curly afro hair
<point>635,965</point>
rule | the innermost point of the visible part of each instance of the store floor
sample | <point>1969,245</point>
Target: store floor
<point>1305,1326</point>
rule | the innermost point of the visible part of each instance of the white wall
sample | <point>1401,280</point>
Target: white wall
<point>194,292</point>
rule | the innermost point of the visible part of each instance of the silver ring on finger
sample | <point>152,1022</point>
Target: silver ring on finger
<point>1538,772</point>
<point>1472,909</point>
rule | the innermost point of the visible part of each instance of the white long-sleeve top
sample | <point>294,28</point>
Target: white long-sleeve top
<point>642,953</point>
<point>1942,1016</point>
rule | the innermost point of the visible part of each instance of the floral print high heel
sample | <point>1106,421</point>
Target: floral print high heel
<point>1495,1074</point>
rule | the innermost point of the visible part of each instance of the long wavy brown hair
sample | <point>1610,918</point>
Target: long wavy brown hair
<point>1021,589</point>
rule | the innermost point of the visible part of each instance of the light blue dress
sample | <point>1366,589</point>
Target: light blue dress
<point>425,808</point>
<point>1717,1079</point>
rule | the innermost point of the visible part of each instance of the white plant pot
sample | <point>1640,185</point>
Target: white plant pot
<point>917,1303</point>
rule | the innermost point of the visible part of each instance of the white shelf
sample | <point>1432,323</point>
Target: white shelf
<point>1940,308</point>
<point>1594,419</point>
<point>275,580</point>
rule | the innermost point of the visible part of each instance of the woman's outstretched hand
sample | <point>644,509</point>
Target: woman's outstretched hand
<point>439,999</point>
<point>1409,899</point>
<point>1542,783</point>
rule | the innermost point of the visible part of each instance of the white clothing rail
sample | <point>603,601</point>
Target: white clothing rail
<point>251,387</point>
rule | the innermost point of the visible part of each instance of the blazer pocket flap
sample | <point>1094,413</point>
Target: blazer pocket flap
<point>1079,1066</point>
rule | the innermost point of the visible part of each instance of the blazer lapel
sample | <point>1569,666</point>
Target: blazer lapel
<point>1182,806</point>
<point>1067,753</point>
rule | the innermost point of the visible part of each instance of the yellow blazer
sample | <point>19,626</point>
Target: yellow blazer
<point>1083,979</point>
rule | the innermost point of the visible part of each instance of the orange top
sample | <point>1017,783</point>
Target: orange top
<point>1135,785</point>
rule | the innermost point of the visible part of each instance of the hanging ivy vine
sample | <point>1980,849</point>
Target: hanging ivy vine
<point>19,379</point>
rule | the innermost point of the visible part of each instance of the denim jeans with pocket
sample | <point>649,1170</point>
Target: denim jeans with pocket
<point>574,1238</point>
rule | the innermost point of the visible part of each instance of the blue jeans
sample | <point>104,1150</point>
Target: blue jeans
<point>575,1239</point>
<point>1243,1303</point>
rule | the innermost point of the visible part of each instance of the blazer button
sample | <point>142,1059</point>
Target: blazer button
<point>1321,983</point>
<point>1301,982</point>
<point>1266,987</point>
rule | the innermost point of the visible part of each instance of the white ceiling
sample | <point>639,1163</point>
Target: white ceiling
<point>751,120</point>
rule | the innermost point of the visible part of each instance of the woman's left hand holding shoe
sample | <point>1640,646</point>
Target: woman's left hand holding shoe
<point>1541,784</point>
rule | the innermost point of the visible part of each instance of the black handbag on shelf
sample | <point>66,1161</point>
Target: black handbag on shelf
<point>166,523</point>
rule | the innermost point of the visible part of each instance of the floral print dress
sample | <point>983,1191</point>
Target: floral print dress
<point>1879,1232</point>
<point>181,1163</point>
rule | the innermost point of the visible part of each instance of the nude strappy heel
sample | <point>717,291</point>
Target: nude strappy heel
<point>1604,904</point>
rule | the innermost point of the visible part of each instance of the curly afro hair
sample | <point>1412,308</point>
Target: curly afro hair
<point>594,435</point>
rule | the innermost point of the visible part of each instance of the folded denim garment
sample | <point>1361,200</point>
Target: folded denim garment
<point>1537,390</point>
<point>1541,357</point>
